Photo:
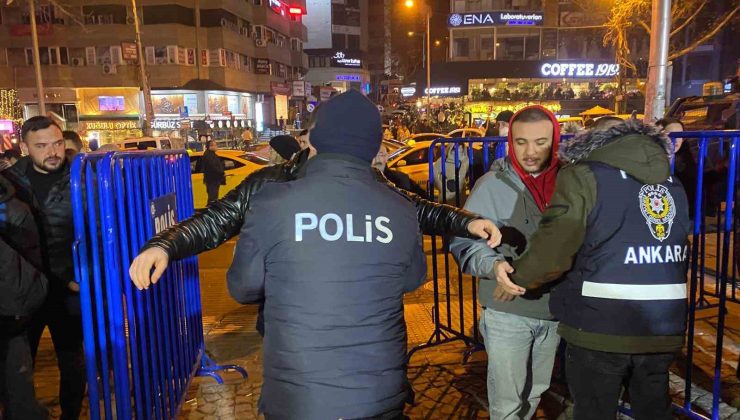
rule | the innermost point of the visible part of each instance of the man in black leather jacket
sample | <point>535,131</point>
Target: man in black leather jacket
<point>223,219</point>
<point>42,182</point>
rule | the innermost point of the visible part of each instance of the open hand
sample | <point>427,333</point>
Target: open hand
<point>502,269</point>
<point>141,268</point>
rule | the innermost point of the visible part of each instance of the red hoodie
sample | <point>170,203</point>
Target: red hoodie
<point>542,186</point>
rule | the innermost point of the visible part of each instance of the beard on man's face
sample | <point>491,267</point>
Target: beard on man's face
<point>49,163</point>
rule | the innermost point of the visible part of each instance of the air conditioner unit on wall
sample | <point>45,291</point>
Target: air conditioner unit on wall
<point>78,61</point>
<point>260,42</point>
<point>110,69</point>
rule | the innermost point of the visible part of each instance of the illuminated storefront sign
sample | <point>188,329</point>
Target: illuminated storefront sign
<point>408,91</point>
<point>443,91</point>
<point>343,59</point>
<point>112,125</point>
<point>166,124</point>
<point>348,77</point>
<point>579,69</point>
<point>498,18</point>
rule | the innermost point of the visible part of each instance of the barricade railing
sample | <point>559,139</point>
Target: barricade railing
<point>142,348</point>
<point>714,202</point>
<point>715,245</point>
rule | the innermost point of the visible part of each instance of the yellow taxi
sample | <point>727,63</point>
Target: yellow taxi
<point>414,160</point>
<point>237,164</point>
<point>467,132</point>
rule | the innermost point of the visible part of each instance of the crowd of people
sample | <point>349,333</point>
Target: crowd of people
<point>330,241</point>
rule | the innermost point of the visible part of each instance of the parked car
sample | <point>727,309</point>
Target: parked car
<point>415,138</point>
<point>238,165</point>
<point>413,160</point>
<point>467,132</point>
<point>706,112</point>
<point>147,143</point>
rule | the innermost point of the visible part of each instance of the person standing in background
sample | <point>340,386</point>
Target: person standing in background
<point>213,170</point>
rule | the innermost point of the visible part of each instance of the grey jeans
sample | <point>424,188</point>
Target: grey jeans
<point>521,353</point>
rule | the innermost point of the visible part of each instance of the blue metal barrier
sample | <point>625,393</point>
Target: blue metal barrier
<point>148,344</point>
<point>725,267</point>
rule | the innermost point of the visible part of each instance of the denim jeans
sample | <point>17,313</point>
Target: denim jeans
<point>521,353</point>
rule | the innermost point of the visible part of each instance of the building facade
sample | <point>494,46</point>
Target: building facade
<point>337,47</point>
<point>506,54</point>
<point>218,62</point>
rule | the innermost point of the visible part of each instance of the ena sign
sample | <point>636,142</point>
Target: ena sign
<point>497,18</point>
<point>579,69</point>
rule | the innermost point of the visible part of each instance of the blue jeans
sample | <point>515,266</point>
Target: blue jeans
<point>521,353</point>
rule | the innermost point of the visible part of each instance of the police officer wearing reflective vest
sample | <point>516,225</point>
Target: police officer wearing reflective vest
<point>332,253</point>
<point>617,227</point>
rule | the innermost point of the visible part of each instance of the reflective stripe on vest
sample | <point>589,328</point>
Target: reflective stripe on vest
<point>634,291</point>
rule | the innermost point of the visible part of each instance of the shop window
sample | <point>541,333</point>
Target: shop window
<point>461,47</point>
<point>582,43</point>
<point>509,47</point>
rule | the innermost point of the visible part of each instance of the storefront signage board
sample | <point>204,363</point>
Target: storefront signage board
<point>496,18</point>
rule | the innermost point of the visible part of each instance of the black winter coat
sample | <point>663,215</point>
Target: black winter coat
<point>23,285</point>
<point>54,222</point>
<point>333,272</point>
<point>223,219</point>
<point>213,168</point>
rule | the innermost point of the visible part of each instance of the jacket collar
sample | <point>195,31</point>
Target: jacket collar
<point>339,165</point>
<point>582,145</point>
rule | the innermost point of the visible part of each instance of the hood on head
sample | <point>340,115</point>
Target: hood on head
<point>639,149</point>
<point>555,138</point>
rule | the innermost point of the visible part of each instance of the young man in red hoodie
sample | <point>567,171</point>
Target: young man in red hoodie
<point>519,331</point>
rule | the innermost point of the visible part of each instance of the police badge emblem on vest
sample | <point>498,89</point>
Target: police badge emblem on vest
<point>659,210</point>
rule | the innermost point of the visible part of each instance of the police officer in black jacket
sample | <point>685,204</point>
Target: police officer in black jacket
<point>332,253</point>
<point>41,180</point>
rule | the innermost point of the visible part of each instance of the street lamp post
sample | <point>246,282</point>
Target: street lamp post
<point>427,36</point>
<point>660,27</point>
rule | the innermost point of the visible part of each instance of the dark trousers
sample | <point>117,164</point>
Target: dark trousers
<point>212,190</point>
<point>16,380</point>
<point>596,378</point>
<point>66,334</point>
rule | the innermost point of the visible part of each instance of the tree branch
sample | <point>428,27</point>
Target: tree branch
<point>644,25</point>
<point>689,19</point>
<point>709,35</point>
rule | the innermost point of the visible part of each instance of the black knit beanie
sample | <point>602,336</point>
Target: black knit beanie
<point>285,146</point>
<point>348,124</point>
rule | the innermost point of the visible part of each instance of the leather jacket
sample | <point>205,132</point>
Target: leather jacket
<point>54,221</point>
<point>222,220</point>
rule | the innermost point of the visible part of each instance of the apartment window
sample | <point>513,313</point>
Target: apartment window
<point>258,2</point>
<point>461,47</point>
<point>532,46</point>
<point>246,63</point>
<point>486,47</point>
<point>341,15</point>
<point>339,41</point>
<point>353,42</point>
<point>49,56</point>
<point>353,4</point>
<point>104,14</point>
<point>170,13</point>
